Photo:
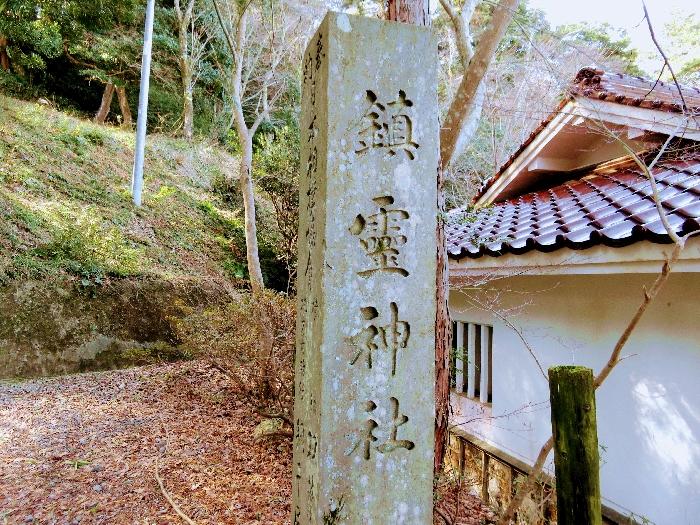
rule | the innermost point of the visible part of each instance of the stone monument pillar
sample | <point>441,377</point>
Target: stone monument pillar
<point>364,407</point>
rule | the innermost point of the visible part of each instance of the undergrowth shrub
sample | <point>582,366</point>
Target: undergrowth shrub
<point>15,86</point>
<point>252,342</point>
<point>86,246</point>
<point>80,139</point>
<point>158,352</point>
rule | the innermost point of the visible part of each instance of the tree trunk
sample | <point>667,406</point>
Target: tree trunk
<point>463,38</point>
<point>188,115</point>
<point>107,95</point>
<point>443,334</point>
<point>461,106</point>
<point>251,233</point>
<point>186,77</point>
<point>124,107</point>
<point>471,122</point>
<point>417,12</point>
<point>4,57</point>
<point>245,136</point>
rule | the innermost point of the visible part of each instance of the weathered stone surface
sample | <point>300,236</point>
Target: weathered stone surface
<point>364,411</point>
<point>55,327</point>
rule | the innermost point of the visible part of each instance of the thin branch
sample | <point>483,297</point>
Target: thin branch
<point>655,188</point>
<point>647,170</point>
<point>529,484</point>
<point>444,516</point>
<point>648,295</point>
<point>224,29</point>
<point>656,82</point>
<point>517,330</point>
<point>613,361</point>
<point>667,63</point>
<point>165,493</point>
<point>646,301</point>
<point>170,500</point>
<point>274,415</point>
<point>460,26</point>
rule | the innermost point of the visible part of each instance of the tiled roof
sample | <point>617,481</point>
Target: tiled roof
<point>634,91</point>
<point>623,89</point>
<point>611,205</point>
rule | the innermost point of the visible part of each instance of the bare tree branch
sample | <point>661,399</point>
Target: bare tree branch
<point>517,330</point>
<point>646,301</point>
<point>648,295</point>
<point>667,63</point>
<point>161,485</point>
<point>528,485</point>
<point>458,112</point>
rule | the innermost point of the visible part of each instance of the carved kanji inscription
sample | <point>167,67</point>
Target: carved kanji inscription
<point>381,237</point>
<point>374,336</point>
<point>387,126</point>
<point>366,436</point>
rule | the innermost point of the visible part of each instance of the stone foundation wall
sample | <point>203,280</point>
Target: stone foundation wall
<point>495,481</point>
<point>494,477</point>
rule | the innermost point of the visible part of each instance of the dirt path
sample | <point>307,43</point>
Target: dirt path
<point>83,449</point>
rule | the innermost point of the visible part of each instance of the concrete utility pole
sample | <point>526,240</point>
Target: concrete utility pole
<point>137,174</point>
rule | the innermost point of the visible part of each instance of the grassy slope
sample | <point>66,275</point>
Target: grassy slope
<point>65,205</point>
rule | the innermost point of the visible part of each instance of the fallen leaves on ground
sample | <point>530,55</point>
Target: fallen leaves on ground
<point>82,449</point>
<point>460,507</point>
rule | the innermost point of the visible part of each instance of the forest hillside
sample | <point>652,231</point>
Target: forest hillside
<point>73,242</point>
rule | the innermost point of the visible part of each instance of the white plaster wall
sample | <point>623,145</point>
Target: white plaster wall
<point>648,409</point>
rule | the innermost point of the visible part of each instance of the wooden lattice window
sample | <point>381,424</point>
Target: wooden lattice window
<point>471,362</point>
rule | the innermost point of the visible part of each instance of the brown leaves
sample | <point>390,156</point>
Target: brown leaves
<point>82,449</point>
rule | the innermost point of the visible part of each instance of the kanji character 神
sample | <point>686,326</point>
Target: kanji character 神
<point>374,336</point>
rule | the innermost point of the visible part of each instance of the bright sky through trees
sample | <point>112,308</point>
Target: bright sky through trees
<point>624,14</point>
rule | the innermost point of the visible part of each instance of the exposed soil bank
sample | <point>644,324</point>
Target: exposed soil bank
<point>50,327</point>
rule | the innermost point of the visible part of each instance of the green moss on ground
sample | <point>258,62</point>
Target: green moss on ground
<point>65,203</point>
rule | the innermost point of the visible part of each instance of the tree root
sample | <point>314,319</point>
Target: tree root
<point>165,493</point>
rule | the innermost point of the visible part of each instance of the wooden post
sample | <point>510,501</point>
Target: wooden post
<point>485,460</point>
<point>576,460</point>
<point>462,456</point>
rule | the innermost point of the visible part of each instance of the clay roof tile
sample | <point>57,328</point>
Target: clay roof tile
<point>615,208</point>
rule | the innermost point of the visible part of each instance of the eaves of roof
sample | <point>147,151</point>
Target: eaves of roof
<point>618,88</point>
<point>612,206</point>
